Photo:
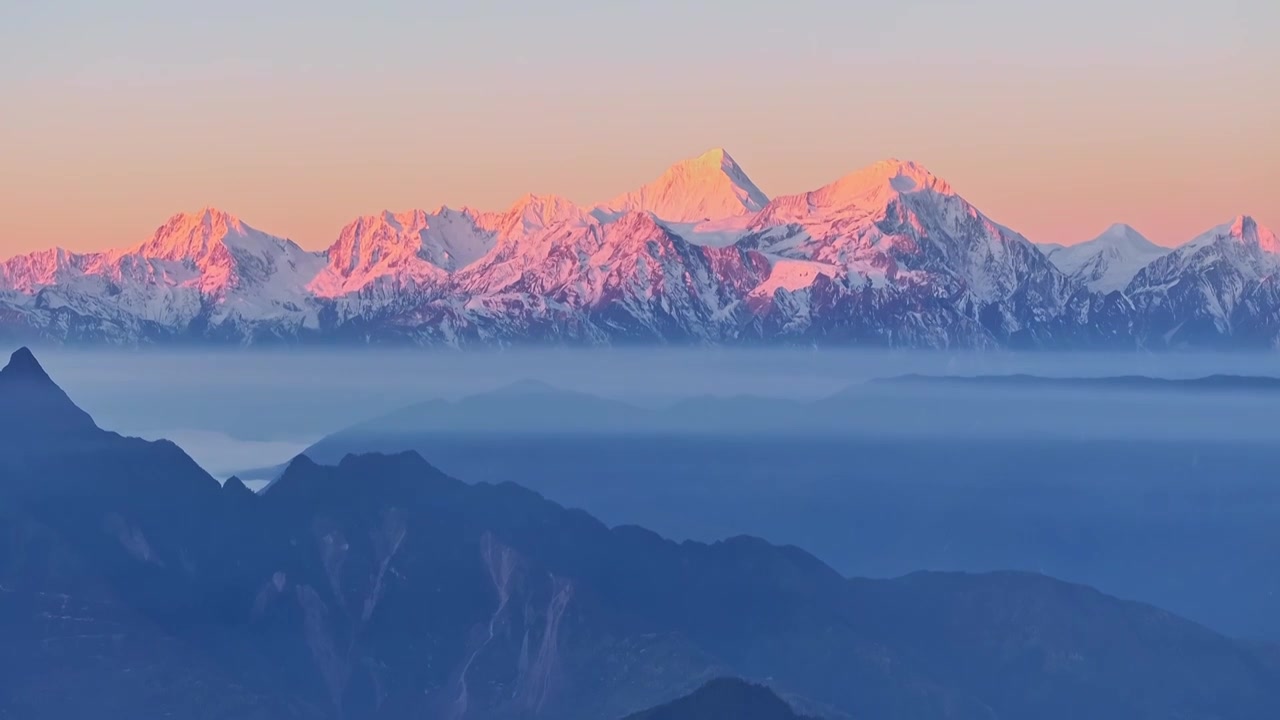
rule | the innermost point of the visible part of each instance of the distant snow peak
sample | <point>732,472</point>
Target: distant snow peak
<point>1124,233</point>
<point>710,186</point>
<point>1120,236</point>
<point>1109,261</point>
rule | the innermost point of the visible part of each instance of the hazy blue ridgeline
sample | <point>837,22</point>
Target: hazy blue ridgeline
<point>297,394</point>
<point>1149,493</point>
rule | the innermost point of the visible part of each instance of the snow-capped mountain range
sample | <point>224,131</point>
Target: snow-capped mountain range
<point>888,255</point>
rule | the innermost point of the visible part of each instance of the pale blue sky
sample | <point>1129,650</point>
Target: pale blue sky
<point>297,116</point>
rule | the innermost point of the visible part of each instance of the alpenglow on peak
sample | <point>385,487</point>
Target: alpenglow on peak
<point>899,176</point>
<point>709,186</point>
<point>193,235</point>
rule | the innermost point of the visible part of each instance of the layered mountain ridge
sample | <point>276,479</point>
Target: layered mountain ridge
<point>132,585</point>
<point>888,255</point>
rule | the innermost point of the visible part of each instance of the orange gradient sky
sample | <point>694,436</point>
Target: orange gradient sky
<point>300,116</point>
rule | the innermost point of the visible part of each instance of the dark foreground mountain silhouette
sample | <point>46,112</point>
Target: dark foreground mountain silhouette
<point>131,585</point>
<point>724,698</point>
<point>1159,491</point>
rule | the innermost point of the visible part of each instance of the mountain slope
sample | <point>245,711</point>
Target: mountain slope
<point>1108,262</point>
<point>101,537</point>
<point>914,264</point>
<point>381,588</point>
<point>34,405</point>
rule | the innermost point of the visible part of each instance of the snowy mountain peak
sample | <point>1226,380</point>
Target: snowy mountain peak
<point>413,247</point>
<point>707,187</point>
<point>886,176</point>
<point>210,219</point>
<point>1118,235</point>
<point>195,236</point>
<point>31,403</point>
<point>23,363</point>
<point>1222,282</point>
<point>534,212</point>
<point>1122,233</point>
<point>713,158</point>
<point>866,191</point>
<point>1109,261</point>
<point>1242,229</point>
<point>1248,230</point>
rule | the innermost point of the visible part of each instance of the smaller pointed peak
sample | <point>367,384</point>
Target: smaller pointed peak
<point>234,487</point>
<point>1124,234</point>
<point>299,463</point>
<point>23,363</point>
<point>32,404</point>
<point>293,477</point>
